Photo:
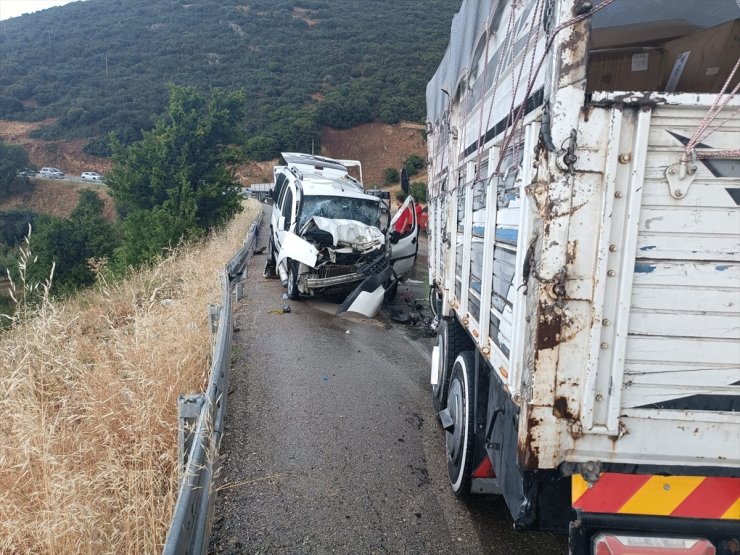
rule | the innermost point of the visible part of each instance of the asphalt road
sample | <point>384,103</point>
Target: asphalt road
<point>331,445</point>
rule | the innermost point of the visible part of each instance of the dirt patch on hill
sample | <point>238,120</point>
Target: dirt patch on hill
<point>255,172</point>
<point>68,156</point>
<point>305,14</point>
<point>377,146</point>
<point>56,198</point>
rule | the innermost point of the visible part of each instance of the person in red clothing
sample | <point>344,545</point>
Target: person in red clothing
<point>406,220</point>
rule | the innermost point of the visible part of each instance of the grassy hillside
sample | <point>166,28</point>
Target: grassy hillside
<point>88,405</point>
<point>102,65</point>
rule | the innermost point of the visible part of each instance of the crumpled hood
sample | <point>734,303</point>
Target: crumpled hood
<point>349,233</point>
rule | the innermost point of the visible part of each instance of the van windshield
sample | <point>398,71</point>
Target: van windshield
<point>340,208</point>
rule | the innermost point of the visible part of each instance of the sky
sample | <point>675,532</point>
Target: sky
<point>14,8</point>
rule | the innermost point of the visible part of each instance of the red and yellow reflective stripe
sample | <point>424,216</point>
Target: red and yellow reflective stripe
<point>680,496</point>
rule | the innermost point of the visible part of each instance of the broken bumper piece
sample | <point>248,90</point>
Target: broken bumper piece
<point>372,268</point>
<point>368,296</point>
<point>318,283</point>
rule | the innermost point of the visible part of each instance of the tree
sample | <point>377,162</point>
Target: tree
<point>10,106</point>
<point>70,244</point>
<point>261,148</point>
<point>12,160</point>
<point>177,182</point>
<point>349,105</point>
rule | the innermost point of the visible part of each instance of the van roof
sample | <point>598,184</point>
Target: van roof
<point>319,183</point>
<point>330,185</point>
<point>321,164</point>
<point>313,161</point>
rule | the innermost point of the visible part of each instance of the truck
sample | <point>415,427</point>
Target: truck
<point>584,268</point>
<point>260,191</point>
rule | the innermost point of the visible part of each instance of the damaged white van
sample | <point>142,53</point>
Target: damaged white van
<point>326,236</point>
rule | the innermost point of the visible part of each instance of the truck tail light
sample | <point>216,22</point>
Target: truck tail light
<point>613,544</point>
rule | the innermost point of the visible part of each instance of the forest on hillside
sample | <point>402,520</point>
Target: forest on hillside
<point>103,66</point>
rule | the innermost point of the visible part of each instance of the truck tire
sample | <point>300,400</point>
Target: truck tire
<point>452,340</point>
<point>293,293</point>
<point>459,442</point>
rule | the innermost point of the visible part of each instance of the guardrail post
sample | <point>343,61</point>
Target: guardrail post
<point>214,311</point>
<point>239,290</point>
<point>189,408</point>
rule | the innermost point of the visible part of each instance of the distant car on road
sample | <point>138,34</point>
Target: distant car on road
<point>52,173</point>
<point>28,172</point>
<point>91,176</point>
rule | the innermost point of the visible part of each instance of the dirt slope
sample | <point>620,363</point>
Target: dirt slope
<point>68,156</point>
<point>377,146</point>
<point>57,198</point>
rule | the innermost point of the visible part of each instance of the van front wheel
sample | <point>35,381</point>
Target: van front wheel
<point>293,293</point>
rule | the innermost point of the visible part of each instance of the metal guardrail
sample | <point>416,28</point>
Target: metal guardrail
<point>201,422</point>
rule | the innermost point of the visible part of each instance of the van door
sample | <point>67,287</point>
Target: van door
<point>285,215</point>
<point>403,242</point>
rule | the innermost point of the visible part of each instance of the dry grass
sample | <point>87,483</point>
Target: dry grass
<point>88,406</point>
<point>58,198</point>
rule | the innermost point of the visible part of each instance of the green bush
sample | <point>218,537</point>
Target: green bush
<point>13,159</point>
<point>414,164</point>
<point>14,226</point>
<point>390,176</point>
<point>70,244</point>
<point>419,191</point>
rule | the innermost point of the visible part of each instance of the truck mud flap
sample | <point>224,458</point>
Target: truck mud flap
<point>367,298</point>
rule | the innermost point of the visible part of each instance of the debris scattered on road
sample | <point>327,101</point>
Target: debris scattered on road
<point>259,250</point>
<point>400,317</point>
<point>286,309</point>
<point>347,332</point>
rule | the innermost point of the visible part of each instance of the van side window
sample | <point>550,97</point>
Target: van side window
<point>287,210</point>
<point>279,197</point>
<point>279,184</point>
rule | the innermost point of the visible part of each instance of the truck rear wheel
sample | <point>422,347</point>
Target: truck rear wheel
<point>451,340</point>
<point>459,440</point>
